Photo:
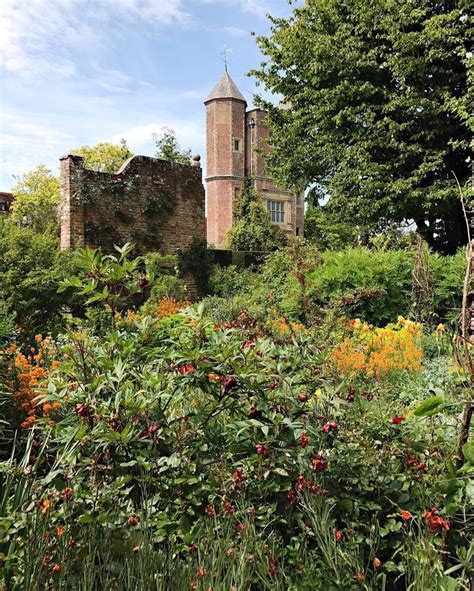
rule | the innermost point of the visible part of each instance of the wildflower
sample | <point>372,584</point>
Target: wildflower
<point>229,383</point>
<point>330,426</point>
<point>291,497</point>
<point>319,463</point>
<point>56,569</point>
<point>273,385</point>
<point>194,586</point>
<point>273,565</point>
<point>377,563</point>
<point>397,420</point>
<point>440,328</point>
<point>303,397</point>
<point>45,505</point>
<point>338,535</point>
<point>406,515</point>
<point>300,482</point>
<point>230,553</point>
<point>239,527</point>
<point>304,440</point>
<point>251,510</point>
<point>136,549</point>
<point>229,508</point>
<point>60,532</point>
<point>201,571</point>
<point>192,549</point>
<point>47,559</point>
<point>214,377</point>
<point>133,520</point>
<point>211,512</point>
<point>261,449</point>
<point>186,369</point>
<point>316,371</point>
<point>360,577</point>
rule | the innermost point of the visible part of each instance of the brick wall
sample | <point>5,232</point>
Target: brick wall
<point>157,205</point>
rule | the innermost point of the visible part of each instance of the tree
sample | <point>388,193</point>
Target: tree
<point>105,156</point>
<point>36,199</point>
<point>253,229</point>
<point>379,119</point>
<point>168,148</point>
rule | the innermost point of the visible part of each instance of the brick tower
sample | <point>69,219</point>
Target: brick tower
<point>225,148</point>
<point>235,139</point>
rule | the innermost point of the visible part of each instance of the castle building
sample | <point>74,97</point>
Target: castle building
<point>235,138</point>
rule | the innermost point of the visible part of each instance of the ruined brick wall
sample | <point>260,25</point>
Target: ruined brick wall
<point>157,205</point>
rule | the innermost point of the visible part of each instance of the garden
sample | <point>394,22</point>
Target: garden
<point>297,429</point>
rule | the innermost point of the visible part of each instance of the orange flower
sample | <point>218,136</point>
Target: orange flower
<point>60,532</point>
<point>360,577</point>
<point>201,571</point>
<point>377,563</point>
<point>56,569</point>
<point>45,505</point>
<point>406,515</point>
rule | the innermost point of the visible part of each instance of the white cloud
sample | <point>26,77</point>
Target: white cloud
<point>43,35</point>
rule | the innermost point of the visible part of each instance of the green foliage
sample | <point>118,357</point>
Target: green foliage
<point>252,229</point>
<point>378,116</point>
<point>36,199</point>
<point>168,148</point>
<point>105,156</point>
<point>31,269</point>
<point>113,281</point>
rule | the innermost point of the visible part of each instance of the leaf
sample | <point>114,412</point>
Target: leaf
<point>468,451</point>
<point>429,407</point>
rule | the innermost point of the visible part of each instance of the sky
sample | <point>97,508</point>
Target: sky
<point>78,72</point>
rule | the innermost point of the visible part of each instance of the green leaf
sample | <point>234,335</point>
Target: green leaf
<point>468,451</point>
<point>429,407</point>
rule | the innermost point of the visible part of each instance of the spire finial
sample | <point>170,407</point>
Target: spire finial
<point>227,51</point>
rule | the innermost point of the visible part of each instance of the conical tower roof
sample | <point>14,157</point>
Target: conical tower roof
<point>225,89</point>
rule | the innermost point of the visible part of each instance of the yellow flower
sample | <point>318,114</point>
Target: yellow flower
<point>440,328</point>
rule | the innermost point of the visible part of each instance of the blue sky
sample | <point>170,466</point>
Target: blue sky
<point>77,72</point>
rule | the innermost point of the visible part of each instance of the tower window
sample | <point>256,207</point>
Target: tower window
<point>236,145</point>
<point>277,211</point>
<point>298,199</point>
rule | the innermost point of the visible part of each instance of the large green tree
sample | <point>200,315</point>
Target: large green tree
<point>168,148</point>
<point>105,156</point>
<point>36,199</point>
<point>380,120</point>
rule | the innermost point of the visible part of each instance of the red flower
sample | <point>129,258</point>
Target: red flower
<point>192,549</point>
<point>229,383</point>
<point>397,420</point>
<point>230,553</point>
<point>249,344</point>
<point>56,569</point>
<point>291,497</point>
<point>211,512</point>
<point>436,523</point>
<point>239,527</point>
<point>303,397</point>
<point>304,440</point>
<point>66,493</point>
<point>406,515</point>
<point>338,535</point>
<point>319,463</point>
<point>273,385</point>
<point>261,449</point>
<point>186,369</point>
<point>331,426</point>
<point>300,482</point>
<point>133,520</point>
<point>144,282</point>
<point>228,508</point>
<point>273,565</point>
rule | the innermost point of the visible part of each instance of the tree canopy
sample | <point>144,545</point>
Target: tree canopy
<point>253,230</point>
<point>36,198</point>
<point>105,156</point>
<point>379,122</point>
<point>168,148</point>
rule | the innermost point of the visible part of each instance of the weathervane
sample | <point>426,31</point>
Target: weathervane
<point>224,54</point>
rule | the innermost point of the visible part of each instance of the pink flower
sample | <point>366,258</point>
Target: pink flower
<point>228,508</point>
<point>331,426</point>
<point>82,411</point>
<point>152,429</point>
<point>211,512</point>
<point>254,413</point>
<point>303,397</point>
<point>261,449</point>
